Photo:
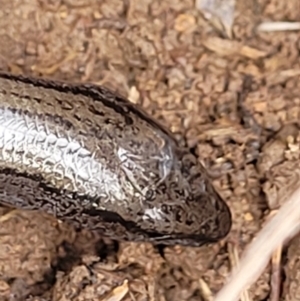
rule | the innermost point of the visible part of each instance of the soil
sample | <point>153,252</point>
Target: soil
<point>235,100</point>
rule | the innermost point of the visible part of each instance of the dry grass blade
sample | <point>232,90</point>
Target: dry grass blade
<point>278,26</point>
<point>229,48</point>
<point>235,261</point>
<point>279,229</point>
<point>275,277</point>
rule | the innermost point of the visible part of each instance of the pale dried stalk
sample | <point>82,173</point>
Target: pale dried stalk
<point>284,225</point>
<point>278,26</point>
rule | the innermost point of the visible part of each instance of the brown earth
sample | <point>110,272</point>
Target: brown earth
<point>166,57</point>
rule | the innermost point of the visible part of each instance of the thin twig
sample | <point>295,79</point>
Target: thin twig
<point>284,225</point>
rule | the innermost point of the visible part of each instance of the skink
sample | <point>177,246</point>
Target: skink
<point>93,159</point>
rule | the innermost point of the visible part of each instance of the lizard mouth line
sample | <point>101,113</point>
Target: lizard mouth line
<point>155,237</point>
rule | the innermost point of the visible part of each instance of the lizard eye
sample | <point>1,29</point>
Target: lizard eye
<point>150,195</point>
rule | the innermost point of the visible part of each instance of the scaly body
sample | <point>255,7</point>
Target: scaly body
<point>93,159</point>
